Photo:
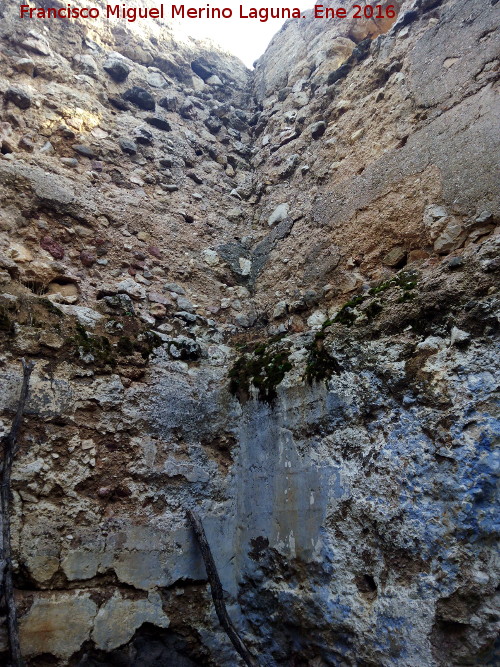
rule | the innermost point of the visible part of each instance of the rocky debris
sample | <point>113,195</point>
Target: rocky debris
<point>213,125</point>
<point>155,78</point>
<point>214,80</point>
<point>156,297</point>
<point>26,144</point>
<point>452,237</point>
<point>140,97</point>
<point>118,103</point>
<point>235,214</point>
<point>194,177</point>
<point>169,102</point>
<point>288,167</point>
<point>69,162</point>
<point>132,289</point>
<point>396,257</point>
<point>86,64</point>
<point>143,136</point>
<point>155,387</point>
<point>175,289</point>
<point>279,214</point>
<point>36,43</point>
<point>317,129</point>
<point>202,69</point>
<point>24,66</point>
<point>185,304</point>
<point>159,122</point>
<point>19,253</point>
<point>116,67</point>
<point>127,145</point>
<point>280,309</point>
<point>84,151</point>
<point>157,310</point>
<point>18,96</point>
<point>155,252</point>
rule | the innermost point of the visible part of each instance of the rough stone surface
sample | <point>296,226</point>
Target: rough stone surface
<point>277,305</point>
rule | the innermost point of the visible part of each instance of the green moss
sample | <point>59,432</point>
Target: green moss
<point>99,347</point>
<point>407,296</point>
<point>405,280</point>
<point>373,309</point>
<point>47,303</point>
<point>263,369</point>
<point>320,365</point>
<point>346,314</point>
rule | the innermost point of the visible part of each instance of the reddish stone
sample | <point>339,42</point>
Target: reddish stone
<point>155,297</point>
<point>53,247</point>
<point>132,271</point>
<point>153,250</point>
<point>87,258</point>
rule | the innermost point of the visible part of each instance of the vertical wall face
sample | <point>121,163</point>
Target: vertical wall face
<point>269,296</point>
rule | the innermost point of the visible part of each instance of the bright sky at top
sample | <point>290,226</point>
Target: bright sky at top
<point>245,38</point>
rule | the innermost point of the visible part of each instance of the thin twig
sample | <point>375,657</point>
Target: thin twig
<point>9,450</point>
<point>216,589</point>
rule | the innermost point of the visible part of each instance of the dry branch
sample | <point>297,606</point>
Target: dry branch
<point>9,451</point>
<point>216,589</point>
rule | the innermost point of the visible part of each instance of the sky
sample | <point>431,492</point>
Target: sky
<point>245,38</point>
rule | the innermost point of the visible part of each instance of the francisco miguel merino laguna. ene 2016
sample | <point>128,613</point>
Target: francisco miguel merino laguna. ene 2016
<point>181,11</point>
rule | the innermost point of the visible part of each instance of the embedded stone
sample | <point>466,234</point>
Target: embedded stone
<point>452,237</point>
<point>395,257</point>
<point>87,258</point>
<point>119,618</point>
<point>57,624</point>
<point>132,289</point>
<point>25,66</point>
<point>140,97</point>
<point>52,247</point>
<point>159,122</point>
<point>18,96</point>
<point>156,252</point>
<point>195,177</point>
<point>278,215</point>
<point>143,136</point>
<point>69,162</point>
<point>127,145</point>
<point>157,310</point>
<point>67,292</point>
<point>117,68</point>
<point>84,151</point>
<point>318,129</point>
<point>86,65</point>
<point>169,102</point>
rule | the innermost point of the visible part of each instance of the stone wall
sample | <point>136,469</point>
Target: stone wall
<point>270,296</point>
